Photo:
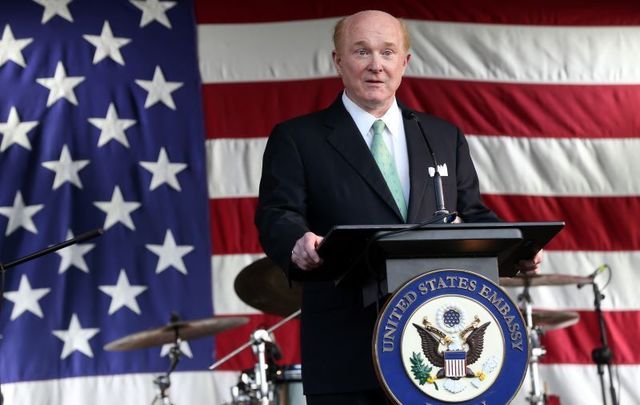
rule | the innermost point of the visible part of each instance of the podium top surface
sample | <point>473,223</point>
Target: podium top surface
<point>344,245</point>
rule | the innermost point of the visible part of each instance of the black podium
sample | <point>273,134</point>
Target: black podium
<point>391,255</point>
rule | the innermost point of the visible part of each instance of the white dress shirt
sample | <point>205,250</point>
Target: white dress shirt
<point>393,136</point>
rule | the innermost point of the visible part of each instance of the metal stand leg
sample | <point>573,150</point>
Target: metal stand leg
<point>163,382</point>
<point>536,395</point>
<point>260,339</point>
<point>603,355</point>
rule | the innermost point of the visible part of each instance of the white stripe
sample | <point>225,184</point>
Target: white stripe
<point>580,384</point>
<point>198,387</point>
<point>573,383</point>
<point>525,54</point>
<point>557,166</point>
<point>621,293</point>
<point>462,51</point>
<point>225,270</point>
<point>263,52</point>
<point>234,166</point>
<point>624,281</point>
<point>505,165</point>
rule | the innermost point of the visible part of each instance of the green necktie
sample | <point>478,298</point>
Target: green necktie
<point>387,166</point>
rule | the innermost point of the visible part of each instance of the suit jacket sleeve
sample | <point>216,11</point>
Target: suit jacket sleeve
<point>281,211</point>
<point>470,206</point>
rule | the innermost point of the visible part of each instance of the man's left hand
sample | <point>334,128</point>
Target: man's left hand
<point>530,266</point>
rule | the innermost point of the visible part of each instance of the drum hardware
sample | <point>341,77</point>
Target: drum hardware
<point>536,396</point>
<point>174,332</point>
<point>260,339</point>
<point>540,321</point>
<point>264,286</point>
<point>259,388</point>
<point>163,382</point>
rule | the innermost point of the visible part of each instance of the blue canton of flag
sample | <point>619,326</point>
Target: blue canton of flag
<point>101,126</point>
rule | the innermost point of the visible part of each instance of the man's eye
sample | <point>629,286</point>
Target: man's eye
<point>362,52</point>
<point>387,52</point>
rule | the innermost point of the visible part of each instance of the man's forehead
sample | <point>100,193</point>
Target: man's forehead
<point>367,44</point>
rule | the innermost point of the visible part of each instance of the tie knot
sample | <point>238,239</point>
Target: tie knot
<point>378,127</point>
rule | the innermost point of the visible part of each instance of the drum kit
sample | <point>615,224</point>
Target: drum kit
<point>541,321</point>
<point>264,286</point>
<point>261,285</point>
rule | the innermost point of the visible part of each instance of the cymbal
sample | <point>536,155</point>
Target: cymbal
<point>543,279</point>
<point>187,330</point>
<point>549,320</point>
<point>264,286</point>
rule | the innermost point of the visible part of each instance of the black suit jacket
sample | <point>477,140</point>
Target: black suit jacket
<point>318,172</point>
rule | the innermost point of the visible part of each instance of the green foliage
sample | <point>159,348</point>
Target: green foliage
<point>420,370</point>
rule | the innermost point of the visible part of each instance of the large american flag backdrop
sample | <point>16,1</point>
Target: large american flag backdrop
<point>149,119</point>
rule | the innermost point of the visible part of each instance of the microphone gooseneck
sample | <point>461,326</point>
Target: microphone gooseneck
<point>437,179</point>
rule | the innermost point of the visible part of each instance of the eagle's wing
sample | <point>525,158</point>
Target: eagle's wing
<point>475,341</point>
<point>430,347</point>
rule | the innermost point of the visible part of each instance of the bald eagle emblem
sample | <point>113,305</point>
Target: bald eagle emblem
<point>452,353</point>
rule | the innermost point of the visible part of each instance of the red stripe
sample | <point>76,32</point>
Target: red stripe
<point>594,224</point>
<point>540,12</point>
<point>574,345</point>
<point>287,338</point>
<point>571,345</point>
<point>235,110</point>
<point>232,228</point>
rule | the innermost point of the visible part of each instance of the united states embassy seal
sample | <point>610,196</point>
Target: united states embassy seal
<point>450,336</point>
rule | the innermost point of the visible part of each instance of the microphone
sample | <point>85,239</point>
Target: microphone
<point>598,270</point>
<point>593,275</point>
<point>437,180</point>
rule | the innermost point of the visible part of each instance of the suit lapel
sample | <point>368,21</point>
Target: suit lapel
<point>345,138</point>
<point>418,169</point>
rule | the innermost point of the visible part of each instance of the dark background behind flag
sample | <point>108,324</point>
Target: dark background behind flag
<point>547,92</point>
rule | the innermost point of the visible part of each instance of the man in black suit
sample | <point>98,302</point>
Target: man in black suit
<point>331,168</point>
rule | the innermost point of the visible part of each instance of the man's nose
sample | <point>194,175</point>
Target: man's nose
<point>375,64</point>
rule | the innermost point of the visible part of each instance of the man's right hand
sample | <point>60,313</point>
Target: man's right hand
<point>304,253</point>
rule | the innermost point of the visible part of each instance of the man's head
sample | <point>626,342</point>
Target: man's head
<point>371,54</point>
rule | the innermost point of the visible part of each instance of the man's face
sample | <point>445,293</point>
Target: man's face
<point>371,60</point>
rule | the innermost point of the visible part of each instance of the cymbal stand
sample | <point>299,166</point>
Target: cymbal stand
<point>260,339</point>
<point>163,382</point>
<point>250,342</point>
<point>536,396</point>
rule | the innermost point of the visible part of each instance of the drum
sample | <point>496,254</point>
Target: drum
<point>289,386</point>
<point>285,387</point>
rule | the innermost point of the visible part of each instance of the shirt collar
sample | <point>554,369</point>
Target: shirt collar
<point>392,118</point>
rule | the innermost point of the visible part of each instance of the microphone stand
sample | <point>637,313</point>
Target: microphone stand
<point>437,179</point>
<point>602,355</point>
<point>4,267</point>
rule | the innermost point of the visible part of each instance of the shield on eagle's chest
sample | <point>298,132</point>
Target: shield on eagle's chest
<point>455,363</point>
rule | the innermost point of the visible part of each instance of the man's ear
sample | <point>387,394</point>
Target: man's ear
<point>336,61</point>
